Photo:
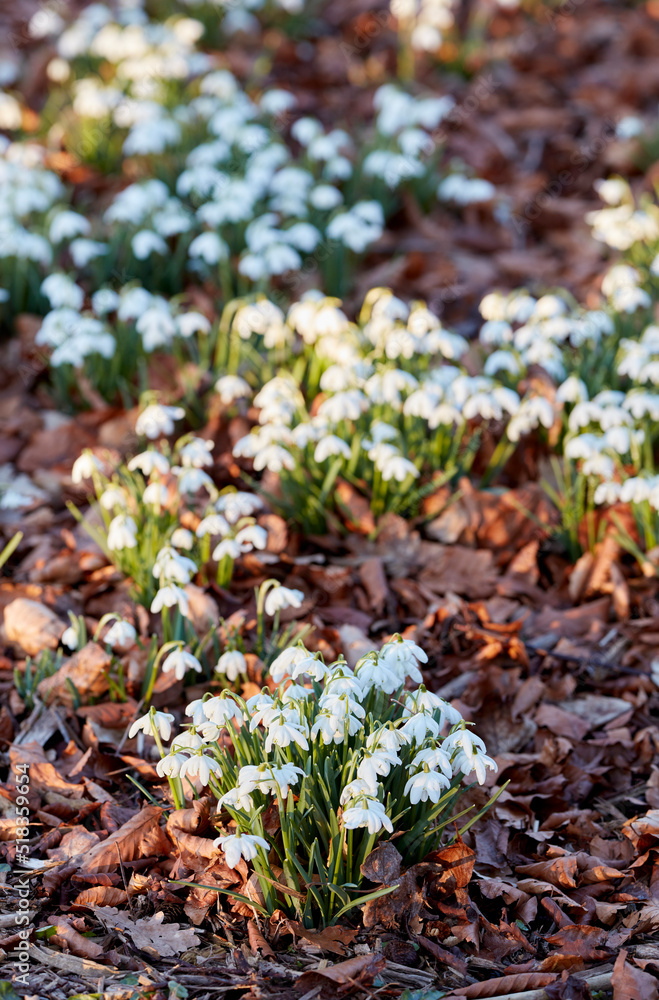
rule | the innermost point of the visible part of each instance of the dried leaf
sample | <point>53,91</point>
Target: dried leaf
<point>505,985</point>
<point>101,895</point>
<point>343,978</point>
<point>630,983</point>
<point>86,671</point>
<point>32,625</point>
<point>257,942</point>
<point>328,939</point>
<point>141,836</point>
<point>150,934</point>
<point>382,865</point>
<point>67,937</point>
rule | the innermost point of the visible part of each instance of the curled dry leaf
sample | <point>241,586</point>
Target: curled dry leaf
<point>69,939</point>
<point>331,939</point>
<point>142,836</point>
<point>630,983</point>
<point>256,940</point>
<point>505,985</point>
<point>101,895</point>
<point>344,978</point>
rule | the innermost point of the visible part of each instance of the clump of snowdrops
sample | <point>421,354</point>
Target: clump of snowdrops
<point>346,757</point>
<point>382,404</point>
<point>601,366</point>
<point>224,193</point>
<point>161,519</point>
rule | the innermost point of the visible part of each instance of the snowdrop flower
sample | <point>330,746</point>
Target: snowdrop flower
<point>620,276</point>
<point>146,242</point>
<point>186,740</point>
<point>180,661</point>
<point>182,538</point>
<point>400,655</point>
<point>105,301</point>
<point>191,480</point>
<point>583,446</point>
<point>370,814</point>
<point>190,323</point>
<point>222,709</point>
<point>372,672</point>
<point>199,766</point>
<point>121,634</point>
<point>276,780</point>
<point>149,724</point>
<point>280,598</point>
<point>282,666</point>
<point>231,388</point>
<point>630,299</point>
<point>636,489</point>
<point>149,462</point>
<point>209,247</point>
<point>66,225</point>
<point>70,638</point>
<point>228,548</point>
<point>504,361</point>
<point>170,765</point>
<point>273,457</point>
<point>171,595</point>
<point>599,465</point>
<point>252,536</point>
<point>341,703</point>
<point>113,497</point>
<point>422,700</point>
<point>612,191</point>
<point>156,420</point>
<point>330,446</point>
<point>376,765</point>
<point>348,405</point>
<point>469,754</point>
<point>171,565</point>
<point>398,468</point>
<point>417,727</point>
<point>237,846</point>
<point>62,292</point>
<point>532,412</point>
<point>213,524</point>
<point>426,784</point>
<point>155,495</point>
<point>435,757</point>
<point>237,798</point>
<point>232,663</point>
<point>607,493</point>
<point>196,453</point>
<point>84,467</point>
<point>331,728</point>
<point>465,190</point>
<point>354,790</point>
<point>83,251</point>
<point>387,738</point>
<point>311,665</point>
<point>282,733</point>
<point>572,390</point>
<point>122,532</point>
